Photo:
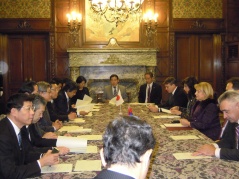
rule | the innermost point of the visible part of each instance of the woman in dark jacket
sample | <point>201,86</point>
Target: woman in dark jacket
<point>82,90</point>
<point>188,86</point>
<point>204,114</point>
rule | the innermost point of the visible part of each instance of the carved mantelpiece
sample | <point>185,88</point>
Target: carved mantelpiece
<point>98,64</point>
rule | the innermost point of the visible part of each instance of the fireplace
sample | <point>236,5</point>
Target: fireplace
<point>96,65</point>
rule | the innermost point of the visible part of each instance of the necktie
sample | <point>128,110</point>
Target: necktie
<point>148,99</point>
<point>115,92</point>
<point>19,140</point>
<point>237,135</point>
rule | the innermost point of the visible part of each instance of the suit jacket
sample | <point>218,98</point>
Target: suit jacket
<point>108,93</point>
<point>80,95</point>
<point>179,98</point>
<point>45,122</point>
<point>108,174</point>
<point>155,94</point>
<point>15,162</point>
<point>228,144</point>
<point>53,113</point>
<point>205,118</point>
<point>61,104</point>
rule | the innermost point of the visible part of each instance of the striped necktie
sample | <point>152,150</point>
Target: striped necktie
<point>115,92</point>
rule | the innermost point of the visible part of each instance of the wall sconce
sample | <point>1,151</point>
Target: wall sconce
<point>150,23</point>
<point>74,23</point>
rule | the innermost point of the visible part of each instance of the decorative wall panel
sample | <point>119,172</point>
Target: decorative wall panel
<point>25,8</point>
<point>197,8</point>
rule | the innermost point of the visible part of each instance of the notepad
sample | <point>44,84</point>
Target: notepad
<point>58,168</point>
<point>188,155</point>
<point>87,165</point>
<point>83,150</point>
<point>166,117</point>
<point>91,137</point>
<point>174,125</point>
<point>79,130</point>
<point>184,137</point>
<point>71,142</point>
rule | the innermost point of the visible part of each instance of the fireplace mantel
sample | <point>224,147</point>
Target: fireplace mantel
<point>101,63</point>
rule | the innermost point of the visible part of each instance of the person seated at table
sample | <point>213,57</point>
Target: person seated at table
<point>45,122</point>
<point>188,86</point>
<point>150,92</point>
<point>17,160</point>
<point>52,108</point>
<point>29,87</point>
<point>204,114</point>
<point>177,96</point>
<point>128,143</point>
<point>30,133</point>
<point>62,102</point>
<point>227,147</point>
<point>58,81</point>
<point>112,90</point>
<point>81,91</point>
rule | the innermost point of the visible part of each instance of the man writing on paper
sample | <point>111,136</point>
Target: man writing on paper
<point>16,158</point>
<point>127,145</point>
<point>227,147</point>
<point>111,91</point>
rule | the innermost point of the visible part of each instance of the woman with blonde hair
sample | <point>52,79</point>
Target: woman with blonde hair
<point>204,114</point>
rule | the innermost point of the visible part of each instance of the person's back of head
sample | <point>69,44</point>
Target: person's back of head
<point>43,86</point>
<point>80,79</point>
<point>125,140</point>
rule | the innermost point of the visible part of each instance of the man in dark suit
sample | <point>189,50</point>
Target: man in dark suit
<point>227,147</point>
<point>112,90</point>
<point>129,157</point>
<point>16,159</point>
<point>177,96</point>
<point>150,92</point>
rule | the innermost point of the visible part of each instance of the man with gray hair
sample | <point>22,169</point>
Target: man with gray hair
<point>227,147</point>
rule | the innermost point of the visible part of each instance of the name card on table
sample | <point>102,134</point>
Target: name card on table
<point>58,168</point>
<point>74,129</point>
<point>87,165</point>
<point>184,137</point>
<point>176,126</point>
<point>187,155</point>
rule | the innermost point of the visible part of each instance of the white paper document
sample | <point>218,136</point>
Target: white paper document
<point>174,125</point>
<point>58,168</point>
<point>83,150</point>
<point>163,126</point>
<point>79,130</point>
<point>71,142</point>
<point>87,165</point>
<point>77,120</point>
<point>91,149</point>
<point>91,137</point>
<point>86,108</point>
<point>87,98</point>
<point>165,110</point>
<point>184,137</point>
<point>188,155</point>
<point>95,110</point>
<point>69,128</point>
<point>166,117</point>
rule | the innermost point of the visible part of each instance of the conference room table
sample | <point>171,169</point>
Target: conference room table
<point>163,163</point>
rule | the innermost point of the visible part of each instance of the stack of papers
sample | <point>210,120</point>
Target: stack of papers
<point>86,100</point>
<point>58,168</point>
<point>87,165</point>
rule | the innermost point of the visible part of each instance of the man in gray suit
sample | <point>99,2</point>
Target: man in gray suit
<point>112,90</point>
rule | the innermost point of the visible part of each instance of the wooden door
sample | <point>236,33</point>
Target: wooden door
<point>200,56</point>
<point>27,57</point>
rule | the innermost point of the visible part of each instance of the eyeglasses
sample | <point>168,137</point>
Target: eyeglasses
<point>28,108</point>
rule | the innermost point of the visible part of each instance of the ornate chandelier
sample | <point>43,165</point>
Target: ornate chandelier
<point>117,11</point>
